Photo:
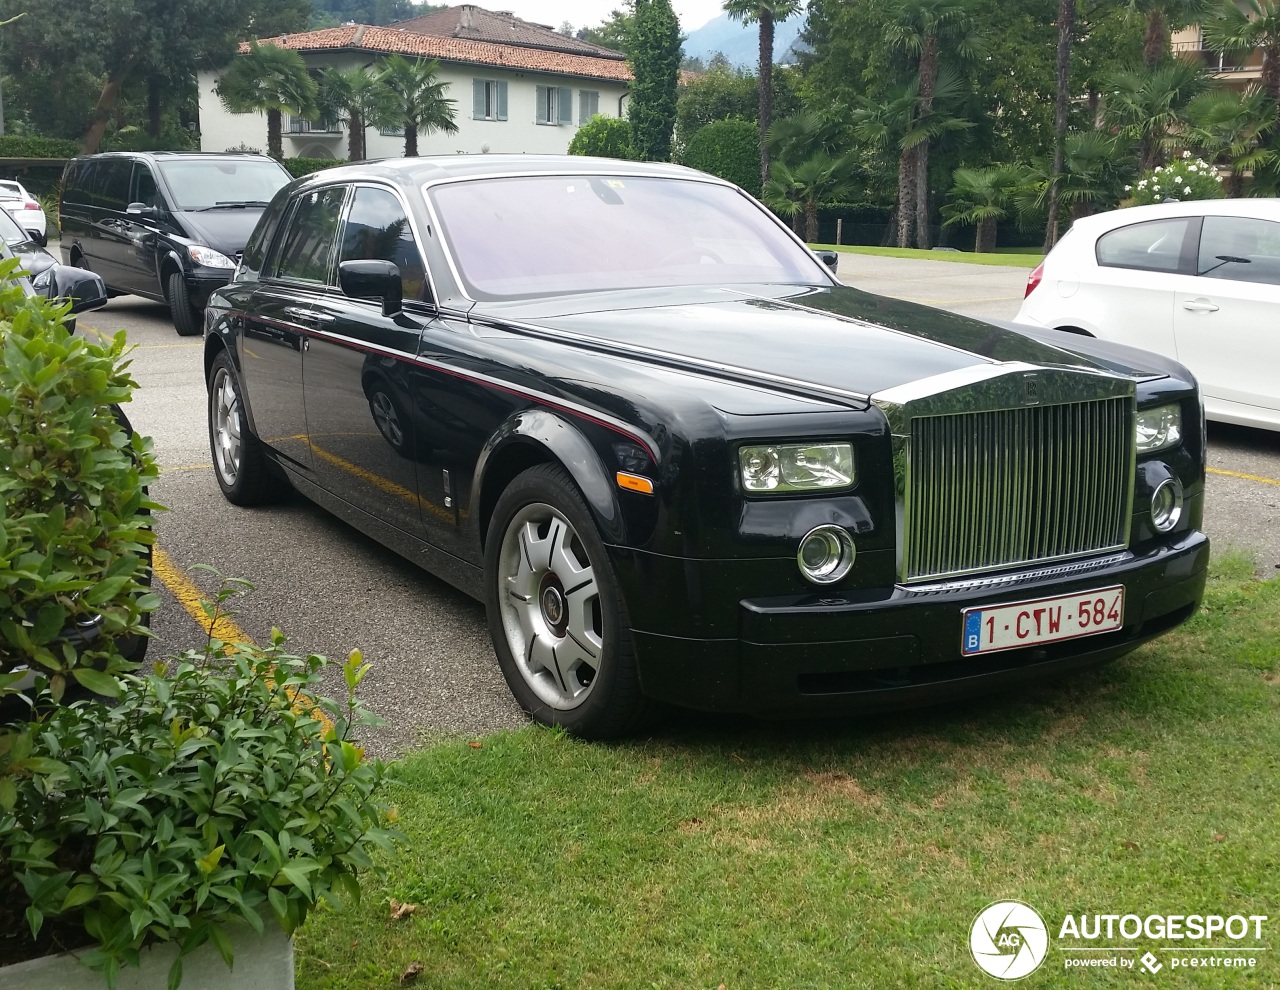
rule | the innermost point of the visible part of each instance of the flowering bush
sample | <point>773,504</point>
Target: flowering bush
<point>1186,178</point>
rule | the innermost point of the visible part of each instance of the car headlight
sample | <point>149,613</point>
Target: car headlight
<point>1159,428</point>
<point>796,467</point>
<point>208,257</point>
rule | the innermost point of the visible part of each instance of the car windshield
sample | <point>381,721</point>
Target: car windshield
<point>547,235</point>
<point>10,190</point>
<point>13,235</point>
<point>198,184</point>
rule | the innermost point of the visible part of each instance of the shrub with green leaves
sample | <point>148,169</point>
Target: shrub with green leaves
<point>729,149</point>
<point>1185,179</point>
<point>212,795</point>
<point>74,524</point>
<point>31,146</point>
<point>604,137</point>
<point>299,167</point>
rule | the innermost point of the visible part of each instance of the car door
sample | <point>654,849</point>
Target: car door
<point>143,230</point>
<point>364,438</point>
<point>106,244</point>
<point>1227,320</point>
<point>298,270</point>
<point>1139,268</point>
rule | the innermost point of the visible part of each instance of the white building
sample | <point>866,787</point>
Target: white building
<point>519,87</point>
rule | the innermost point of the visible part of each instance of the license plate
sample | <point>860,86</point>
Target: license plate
<point>1042,620</point>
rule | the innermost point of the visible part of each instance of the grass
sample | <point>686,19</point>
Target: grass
<point>841,854</point>
<point>1011,258</point>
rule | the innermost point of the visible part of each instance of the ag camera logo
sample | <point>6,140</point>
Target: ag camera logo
<point>1008,940</point>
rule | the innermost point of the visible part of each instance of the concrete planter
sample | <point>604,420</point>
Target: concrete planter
<point>261,963</point>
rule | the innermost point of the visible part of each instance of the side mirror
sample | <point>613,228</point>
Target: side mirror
<point>372,280</point>
<point>141,210</point>
<point>84,289</point>
<point>829,258</point>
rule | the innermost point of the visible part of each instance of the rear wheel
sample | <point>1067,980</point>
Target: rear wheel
<point>187,320</point>
<point>240,461</point>
<point>558,622</point>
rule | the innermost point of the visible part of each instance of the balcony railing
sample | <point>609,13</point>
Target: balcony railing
<point>1219,61</point>
<point>297,125</point>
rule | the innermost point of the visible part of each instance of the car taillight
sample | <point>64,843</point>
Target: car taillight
<point>31,206</point>
<point>1034,279</point>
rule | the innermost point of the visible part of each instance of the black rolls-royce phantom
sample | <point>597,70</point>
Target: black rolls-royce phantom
<point>678,460</point>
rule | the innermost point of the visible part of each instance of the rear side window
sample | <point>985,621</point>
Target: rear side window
<point>310,236</point>
<point>1241,249</point>
<point>110,188</point>
<point>75,184</point>
<point>255,251</point>
<point>378,229</point>
<point>1155,246</point>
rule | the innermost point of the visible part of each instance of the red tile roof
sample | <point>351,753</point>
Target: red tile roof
<point>391,40</point>
<point>468,22</point>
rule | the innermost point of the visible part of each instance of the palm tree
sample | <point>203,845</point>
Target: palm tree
<point>983,197</point>
<point>1066,25</point>
<point>417,98</point>
<point>921,28</point>
<point>1248,25</point>
<point>1163,16</point>
<point>1148,106</point>
<point>272,79</point>
<point>356,98</point>
<point>765,13</point>
<point>1231,128</point>
<point>815,181</point>
<point>1096,167</point>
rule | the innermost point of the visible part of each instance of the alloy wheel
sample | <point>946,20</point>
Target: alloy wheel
<point>226,423</point>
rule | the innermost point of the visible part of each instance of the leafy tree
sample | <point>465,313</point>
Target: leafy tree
<point>721,91</point>
<point>269,79</point>
<point>729,149</point>
<point>1232,128</point>
<point>603,137</point>
<point>1147,106</point>
<point>417,99</point>
<point>356,98</point>
<point>1066,25</point>
<point>982,197</point>
<point>331,13</point>
<point>764,13</point>
<point>812,183</point>
<point>615,31</point>
<point>1098,169</point>
<point>655,63</point>
<point>1247,25</point>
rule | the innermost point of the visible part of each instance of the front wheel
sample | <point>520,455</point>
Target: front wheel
<point>558,622</point>
<point>187,320</point>
<point>239,458</point>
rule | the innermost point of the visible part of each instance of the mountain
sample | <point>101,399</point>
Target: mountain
<point>740,43</point>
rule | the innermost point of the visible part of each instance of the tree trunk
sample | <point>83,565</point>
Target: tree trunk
<point>102,112</point>
<point>275,138</point>
<point>1155,45</point>
<point>1095,107</point>
<point>1235,183</point>
<point>1152,154</point>
<point>1066,23</point>
<point>410,139</point>
<point>153,106</point>
<point>985,243</point>
<point>797,220</point>
<point>928,73</point>
<point>906,196</point>
<point>766,90</point>
<point>811,221</point>
<point>1271,75</point>
<point>355,138</point>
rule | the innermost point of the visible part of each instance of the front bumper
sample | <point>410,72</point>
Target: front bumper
<point>900,647</point>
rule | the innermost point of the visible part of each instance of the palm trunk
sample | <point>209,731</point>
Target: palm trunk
<point>1271,75</point>
<point>1235,183</point>
<point>985,242</point>
<point>1155,45</point>
<point>1066,23</point>
<point>928,72</point>
<point>153,106</point>
<point>102,111</point>
<point>275,134</point>
<point>355,138</point>
<point>811,221</point>
<point>766,90</point>
<point>410,139</point>
<point>1152,154</point>
<point>906,196</point>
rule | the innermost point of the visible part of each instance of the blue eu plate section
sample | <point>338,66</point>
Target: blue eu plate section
<point>972,632</point>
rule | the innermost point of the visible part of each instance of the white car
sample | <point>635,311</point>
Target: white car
<point>1199,282</point>
<point>24,208</point>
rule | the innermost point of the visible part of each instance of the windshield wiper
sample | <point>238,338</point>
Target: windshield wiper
<point>231,204</point>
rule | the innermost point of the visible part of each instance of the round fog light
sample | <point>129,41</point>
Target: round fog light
<point>826,554</point>
<point>1166,505</point>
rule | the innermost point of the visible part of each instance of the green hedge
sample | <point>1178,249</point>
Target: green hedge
<point>603,137</point>
<point>27,146</point>
<point>305,166</point>
<point>727,148</point>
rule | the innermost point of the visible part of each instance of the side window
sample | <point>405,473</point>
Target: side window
<point>1240,248</point>
<point>554,105</point>
<point>306,252</point>
<point>488,99</point>
<point>143,188</point>
<point>111,184</point>
<point>377,229</point>
<point>588,105</point>
<point>255,251</point>
<point>1155,246</point>
<point>75,184</point>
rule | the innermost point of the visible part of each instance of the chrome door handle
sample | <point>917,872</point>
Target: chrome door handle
<point>299,313</point>
<point>1199,306</point>
<point>319,317</point>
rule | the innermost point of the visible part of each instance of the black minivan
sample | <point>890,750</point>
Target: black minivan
<point>169,226</point>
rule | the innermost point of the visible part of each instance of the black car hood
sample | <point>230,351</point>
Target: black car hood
<point>837,338</point>
<point>226,231</point>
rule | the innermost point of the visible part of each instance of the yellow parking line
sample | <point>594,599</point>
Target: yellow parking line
<point>385,484</point>
<point>1246,477</point>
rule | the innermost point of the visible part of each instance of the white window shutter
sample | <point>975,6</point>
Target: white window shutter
<point>542,104</point>
<point>502,99</point>
<point>477,99</point>
<point>566,104</point>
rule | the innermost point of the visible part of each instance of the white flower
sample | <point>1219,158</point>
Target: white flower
<point>1217,178</point>
<point>1142,183</point>
<point>1155,187</point>
<point>1186,154</point>
<point>1159,170</point>
<point>1186,190</point>
<point>1128,188</point>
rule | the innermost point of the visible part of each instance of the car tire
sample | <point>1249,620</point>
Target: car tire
<point>187,320</point>
<point>240,463</point>
<point>559,625</point>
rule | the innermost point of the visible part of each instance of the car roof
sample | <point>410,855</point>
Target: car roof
<point>177,156</point>
<point>1260,208</point>
<point>413,171</point>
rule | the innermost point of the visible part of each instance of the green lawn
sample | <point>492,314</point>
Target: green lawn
<point>1013,258</point>
<point>841,854</point>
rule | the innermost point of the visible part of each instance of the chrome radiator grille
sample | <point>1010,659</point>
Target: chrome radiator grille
<point>990,490</point>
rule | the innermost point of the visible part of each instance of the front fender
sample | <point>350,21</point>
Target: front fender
<point>535,436</point>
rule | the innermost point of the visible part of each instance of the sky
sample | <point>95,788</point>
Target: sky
<point>588,13</point>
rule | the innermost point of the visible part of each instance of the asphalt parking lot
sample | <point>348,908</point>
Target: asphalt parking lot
<point>331,589</point>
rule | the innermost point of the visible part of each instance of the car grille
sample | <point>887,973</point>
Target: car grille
<point>991,490</point>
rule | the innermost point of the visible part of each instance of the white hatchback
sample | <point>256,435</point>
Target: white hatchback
<point>24,208</point>
<point>1199,282</point>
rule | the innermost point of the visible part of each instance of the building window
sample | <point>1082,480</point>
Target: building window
<point>297,125</point>
<point>488,99</point>
<point>396,130</point>
<point>555,105</point>
<point>588,105</point>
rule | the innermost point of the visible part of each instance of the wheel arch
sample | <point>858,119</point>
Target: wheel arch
<point>166,265</point>
<point>535,437</point>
